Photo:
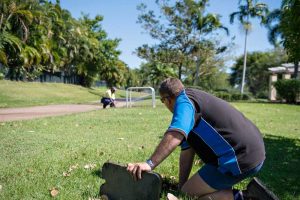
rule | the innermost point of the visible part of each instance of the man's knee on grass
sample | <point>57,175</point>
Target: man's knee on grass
<point>196,186</point>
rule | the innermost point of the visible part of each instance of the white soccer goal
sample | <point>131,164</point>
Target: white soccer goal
<point>130,99</point>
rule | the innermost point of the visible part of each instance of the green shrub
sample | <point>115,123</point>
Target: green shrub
<point>288,89</point>
<point>246,97</point>
<point>222,90</point>
<point>1,76</point>
<point>231,96</point>
<point>236,96</point>
<point>223,95</point>
<point>263,94</point>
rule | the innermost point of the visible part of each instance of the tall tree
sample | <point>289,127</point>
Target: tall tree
<point>250,9</point>
<point>38,36</point>
<point>179,29</point>
<point>284,24</point>
<point>155,72</point>
<point>99,53</point>
<point>18,20</point>
<point>258,64</point>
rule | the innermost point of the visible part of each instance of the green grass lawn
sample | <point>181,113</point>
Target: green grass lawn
<point>35,153</point>
<point>21,94</point>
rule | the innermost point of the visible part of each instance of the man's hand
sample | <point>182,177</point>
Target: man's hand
<point>136,169</point>
<point>166,146</point>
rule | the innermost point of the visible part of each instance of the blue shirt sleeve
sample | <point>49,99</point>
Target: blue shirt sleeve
<point>184,115</point>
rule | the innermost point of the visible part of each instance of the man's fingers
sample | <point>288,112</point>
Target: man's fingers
<point>130,167</point>
<point>134,172</point>
<point>139,173</point>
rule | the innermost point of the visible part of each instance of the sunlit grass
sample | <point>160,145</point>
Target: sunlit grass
<point>19,94</point>
<point>22,94</point>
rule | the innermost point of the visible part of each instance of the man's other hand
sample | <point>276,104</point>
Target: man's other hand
<point>136,169</point>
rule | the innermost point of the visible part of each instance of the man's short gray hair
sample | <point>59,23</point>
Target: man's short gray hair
<point>171,86</point>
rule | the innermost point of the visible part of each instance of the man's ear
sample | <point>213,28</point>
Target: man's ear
<point>172,100</point>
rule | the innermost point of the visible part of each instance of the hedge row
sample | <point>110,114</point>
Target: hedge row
<point>227,96</point>
<point>288,90</point>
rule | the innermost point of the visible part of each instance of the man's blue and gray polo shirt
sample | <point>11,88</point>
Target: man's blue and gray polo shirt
<point>219,133</point>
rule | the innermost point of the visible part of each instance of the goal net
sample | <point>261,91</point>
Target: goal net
<point>140,96</point>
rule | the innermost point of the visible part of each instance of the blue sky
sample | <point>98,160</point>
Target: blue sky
<point>120,18</point>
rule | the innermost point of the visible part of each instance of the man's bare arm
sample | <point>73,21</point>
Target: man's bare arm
<point>167,145</point>
<point>185,165</point>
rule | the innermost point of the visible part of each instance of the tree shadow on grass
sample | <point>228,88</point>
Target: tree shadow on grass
<point>90,194</point>
<point>170,186</point>
<point>97,172</point>
<point>280,173</point>
<point>281,170</point>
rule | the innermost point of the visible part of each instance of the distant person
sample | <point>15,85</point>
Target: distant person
<point>109,98</point>
<point>228,143</point>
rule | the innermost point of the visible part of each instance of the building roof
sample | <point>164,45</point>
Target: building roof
<point>287,68</point>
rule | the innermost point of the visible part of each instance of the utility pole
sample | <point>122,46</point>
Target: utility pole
<point>197,60</point>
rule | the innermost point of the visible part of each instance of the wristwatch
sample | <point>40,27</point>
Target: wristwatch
<point>150,163</point>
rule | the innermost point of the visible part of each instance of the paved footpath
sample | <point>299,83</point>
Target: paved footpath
<point>14,114</point>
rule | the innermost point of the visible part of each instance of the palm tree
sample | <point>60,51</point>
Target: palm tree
<point>284,23</point>
<point>251,9</point>
<point>8,41</point>
<point>14,32</point>
<point>206,23</point>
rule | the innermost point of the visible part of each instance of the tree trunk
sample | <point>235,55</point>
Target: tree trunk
<point>296,63</point>
<point>197,71</point>
<point>179,71</point>
<point>245,63</point>
<point>1,21</point>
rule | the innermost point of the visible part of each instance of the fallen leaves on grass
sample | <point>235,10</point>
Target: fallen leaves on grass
<point>54,192</point>
<point>100,153</point>
<point>91,198</point>
<point>71,168</point>
<point>141,147</point>
<point>197,162</point>
<point>120,138</point>
<point>90,166</point>
<point>29,170</point>
<point>104,197</point>
<point>66,174</point>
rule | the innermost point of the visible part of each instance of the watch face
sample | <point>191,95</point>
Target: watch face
<point>150,163</point>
